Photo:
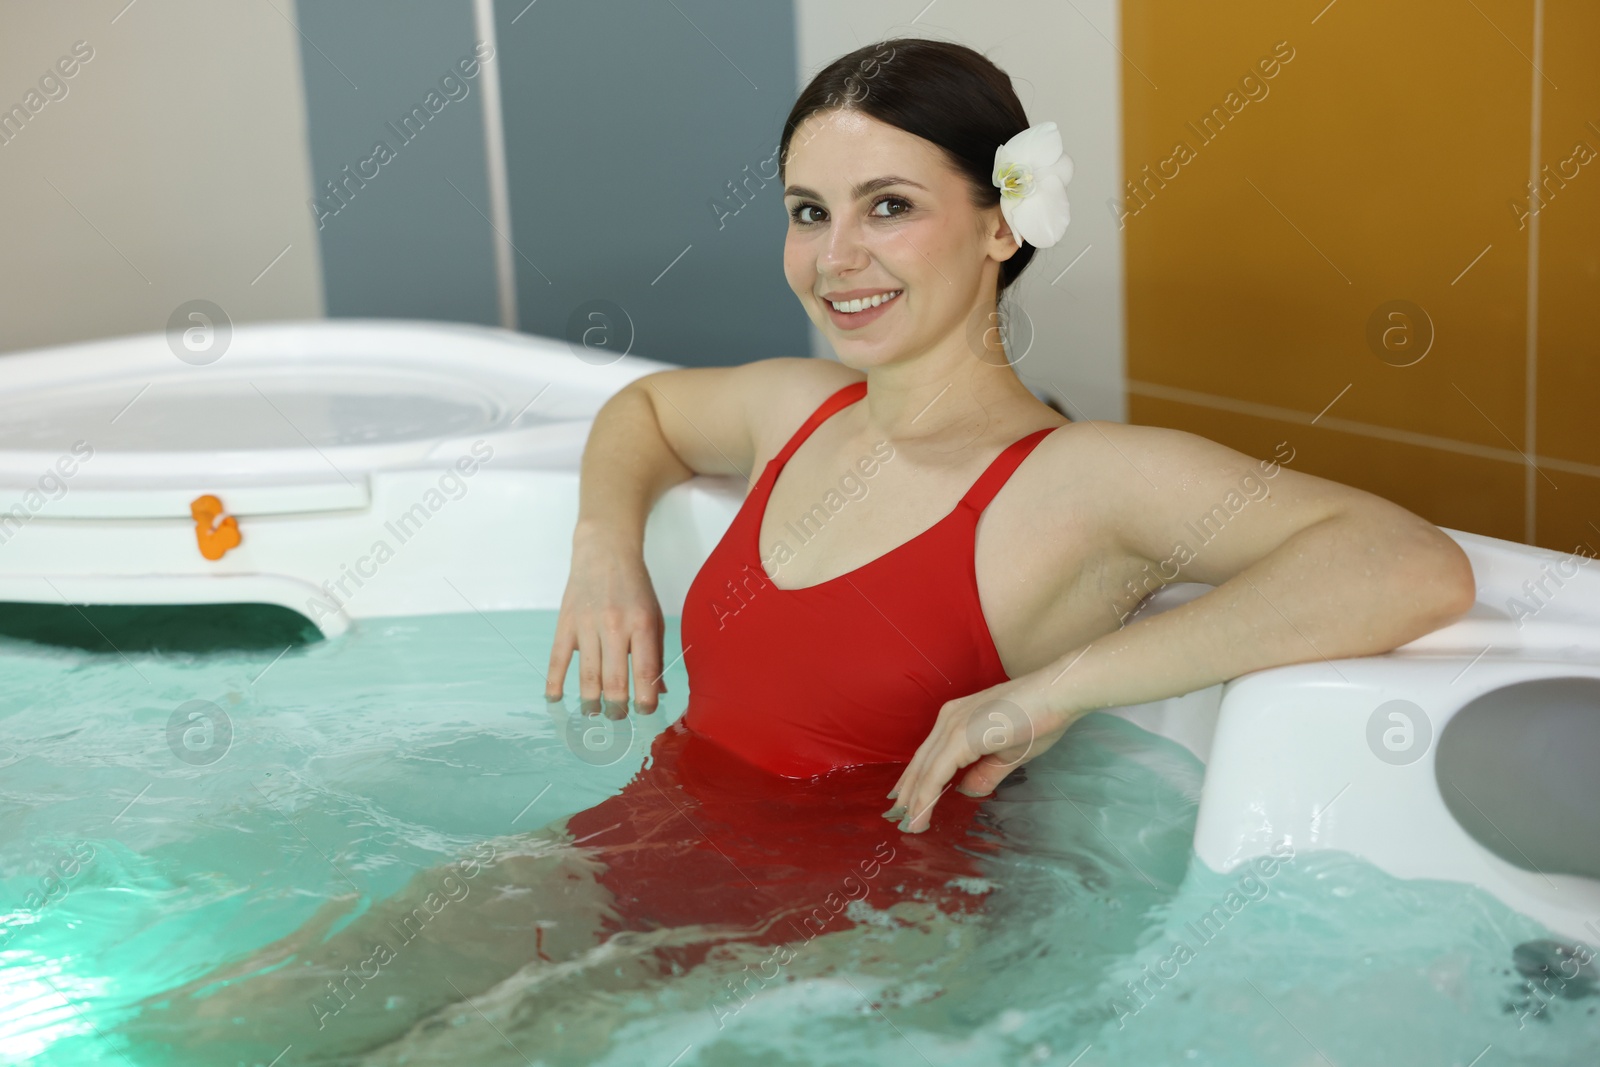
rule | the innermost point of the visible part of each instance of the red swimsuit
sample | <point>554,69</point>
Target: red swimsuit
<point>761,806</point>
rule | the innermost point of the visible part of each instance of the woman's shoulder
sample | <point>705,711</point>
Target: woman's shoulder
<point>801,376</point>
<point>785,390</point>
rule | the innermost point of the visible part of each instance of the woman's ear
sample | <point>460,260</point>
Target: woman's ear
<point>1001,239</point>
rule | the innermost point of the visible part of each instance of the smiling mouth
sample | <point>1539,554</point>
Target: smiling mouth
<point>852,307</point>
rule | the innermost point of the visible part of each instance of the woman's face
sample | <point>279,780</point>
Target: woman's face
<point>876,210</point>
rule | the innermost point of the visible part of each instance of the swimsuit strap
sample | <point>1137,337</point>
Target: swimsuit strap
<point>983,490</point>
<point>990,481</point>
<point>841,398</point>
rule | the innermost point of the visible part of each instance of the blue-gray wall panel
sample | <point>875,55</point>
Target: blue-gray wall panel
<point>402,243</point>
<point>625,120</point>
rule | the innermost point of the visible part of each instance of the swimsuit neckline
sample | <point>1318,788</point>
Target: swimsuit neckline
<point>764,486</point>
<point>769,478</point>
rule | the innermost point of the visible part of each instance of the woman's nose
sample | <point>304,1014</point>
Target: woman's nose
<point>844,248</point>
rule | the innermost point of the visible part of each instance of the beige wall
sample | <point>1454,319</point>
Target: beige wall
<point>174,168</point>
<point>1065,68</point>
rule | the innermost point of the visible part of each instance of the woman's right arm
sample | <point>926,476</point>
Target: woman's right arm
<point>657,431</point>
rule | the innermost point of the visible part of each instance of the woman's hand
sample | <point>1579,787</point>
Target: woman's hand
<point>996,731</point>
<point>609,612</point>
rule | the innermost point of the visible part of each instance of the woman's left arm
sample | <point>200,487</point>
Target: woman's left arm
<point>1304,568</point>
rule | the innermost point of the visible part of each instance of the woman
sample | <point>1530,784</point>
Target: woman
<point>891,194</point>
<point>924,588</point>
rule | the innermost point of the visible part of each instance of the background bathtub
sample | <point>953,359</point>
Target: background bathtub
<point>375,468</point>
<point>342,449</point>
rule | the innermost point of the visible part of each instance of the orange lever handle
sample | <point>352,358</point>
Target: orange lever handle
<point>215,538</point>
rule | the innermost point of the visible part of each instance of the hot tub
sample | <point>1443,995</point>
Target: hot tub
<point>1469,754</point>
<point>1397,852</point>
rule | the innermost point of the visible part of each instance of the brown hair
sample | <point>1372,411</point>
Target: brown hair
<point>943,92</point>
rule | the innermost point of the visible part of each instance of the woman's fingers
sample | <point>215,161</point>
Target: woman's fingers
<point>980,780</point>
<point>927,752</point>
<point>560,657</point>
<point>611,619</point>
<point>931,784</point>
<point>988,733</point>
<point>989,771</point>
<point>605,657</point>
<point>919,785</point>
<point>899,793</point>
<point>614,667</point>
<point>588,670</point>
<point>647,672</point>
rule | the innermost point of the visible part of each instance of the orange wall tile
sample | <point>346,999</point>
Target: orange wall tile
<point>1379,163</point>
<point>1446,488</point>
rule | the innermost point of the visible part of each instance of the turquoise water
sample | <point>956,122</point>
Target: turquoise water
<point>142,847</point>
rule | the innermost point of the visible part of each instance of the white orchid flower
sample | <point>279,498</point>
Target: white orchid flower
<point>1032,173</point>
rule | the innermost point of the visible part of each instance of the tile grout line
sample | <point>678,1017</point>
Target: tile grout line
<point>1259,410</point>
<point>1531,362</point>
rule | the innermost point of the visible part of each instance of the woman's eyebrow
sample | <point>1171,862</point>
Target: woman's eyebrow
<point>866,188</point>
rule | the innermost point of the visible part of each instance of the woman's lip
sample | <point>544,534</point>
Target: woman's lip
<point>845,320</point>
<point>856,294</point>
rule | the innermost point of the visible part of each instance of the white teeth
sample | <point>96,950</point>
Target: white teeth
<point>850,307</point>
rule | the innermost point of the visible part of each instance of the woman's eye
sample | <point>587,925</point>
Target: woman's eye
<point>798,212</point>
